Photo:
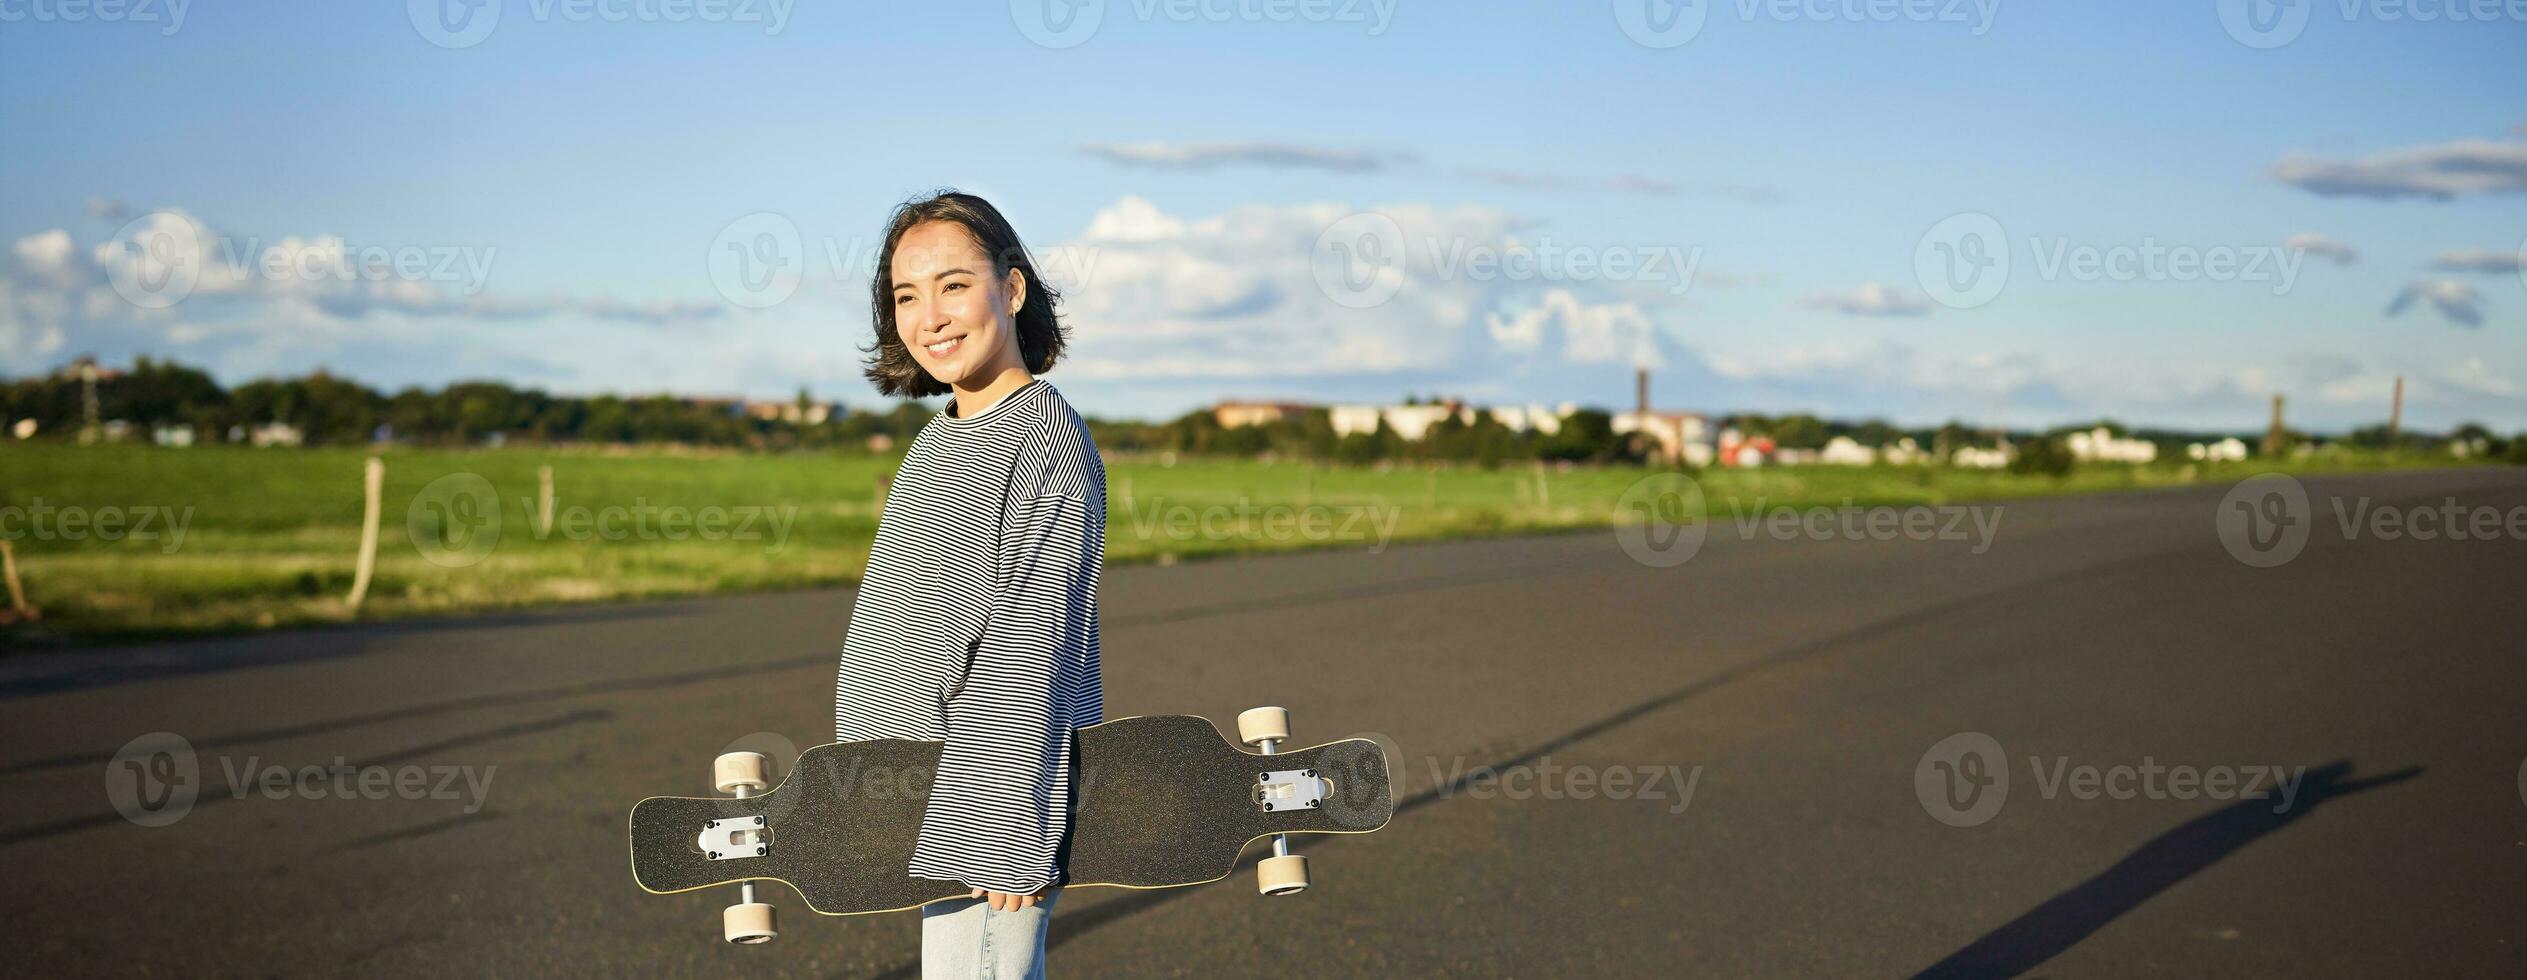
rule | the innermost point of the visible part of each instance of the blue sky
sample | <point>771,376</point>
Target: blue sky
<point>1189,167</point>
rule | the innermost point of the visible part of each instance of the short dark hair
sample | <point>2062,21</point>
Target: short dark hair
<point>1041,336</point>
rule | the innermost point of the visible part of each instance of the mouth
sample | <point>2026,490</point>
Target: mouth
<point>945,347</point>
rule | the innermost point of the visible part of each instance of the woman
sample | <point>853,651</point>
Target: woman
<point>976,622</point>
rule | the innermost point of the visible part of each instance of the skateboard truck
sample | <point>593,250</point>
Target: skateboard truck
<point>741,774</point>
<point>1283,873</point>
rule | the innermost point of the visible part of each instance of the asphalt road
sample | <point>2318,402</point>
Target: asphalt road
<point>2127,681</point>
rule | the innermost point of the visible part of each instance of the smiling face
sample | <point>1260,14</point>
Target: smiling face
<point>951,311</point>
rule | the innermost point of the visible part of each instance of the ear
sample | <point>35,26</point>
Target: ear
<point>1016,283</point>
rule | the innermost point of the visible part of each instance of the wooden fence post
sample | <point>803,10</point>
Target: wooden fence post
<point>368,533</point>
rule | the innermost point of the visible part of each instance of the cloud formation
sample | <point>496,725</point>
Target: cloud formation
<point>1204,156</point>
<point>1869,299</point>
<point>2439,171</point>
<point>2478,260</point>
<point>2322,247</point>
<point>2453,299</point>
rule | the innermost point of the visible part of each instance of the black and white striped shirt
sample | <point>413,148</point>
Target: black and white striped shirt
<point>976,625</point>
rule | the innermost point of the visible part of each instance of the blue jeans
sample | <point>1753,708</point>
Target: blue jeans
<point>966,939</point>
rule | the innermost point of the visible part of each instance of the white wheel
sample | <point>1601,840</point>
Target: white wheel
<point>1283,875</point>
<point>736,769</point>
<point>748,924</point>
<point>1257,724</point>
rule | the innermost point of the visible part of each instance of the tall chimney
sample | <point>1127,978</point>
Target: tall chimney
<point>2275,436</point>
<point>2395,415</point>
<point>1641,392</point>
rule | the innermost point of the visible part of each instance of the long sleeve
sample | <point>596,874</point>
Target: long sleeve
<point>1001,801</point>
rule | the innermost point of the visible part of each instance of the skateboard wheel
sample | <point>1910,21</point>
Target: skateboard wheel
<point>739,769</point>
<point>1254,725</point>
<point>748,924</point>
<point>1282,875</point>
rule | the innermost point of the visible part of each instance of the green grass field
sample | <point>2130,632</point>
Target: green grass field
<point>126,540</point>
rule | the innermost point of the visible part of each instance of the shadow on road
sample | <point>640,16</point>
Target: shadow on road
<point>2061,922</point>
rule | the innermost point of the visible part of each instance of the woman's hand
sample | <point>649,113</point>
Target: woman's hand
<point>1009,901</point>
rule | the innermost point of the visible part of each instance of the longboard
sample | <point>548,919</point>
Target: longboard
<point>1160,801</point>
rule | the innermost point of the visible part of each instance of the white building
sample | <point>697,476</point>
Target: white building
<point>1533,418</point>
<point>2228,450</point>
<point>2101,445</point>
<point>1972,457</point>
<point>1684,435</point>
<point>1411,422</point>
<point>1846,451</point>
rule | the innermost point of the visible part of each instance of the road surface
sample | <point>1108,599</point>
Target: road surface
<point>1795,754</point>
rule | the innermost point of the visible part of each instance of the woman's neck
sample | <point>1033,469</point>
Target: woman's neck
<point>971,402</point>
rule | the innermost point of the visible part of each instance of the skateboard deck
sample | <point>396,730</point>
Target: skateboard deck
<point>1159,801</point>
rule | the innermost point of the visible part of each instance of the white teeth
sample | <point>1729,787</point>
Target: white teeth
<point>945,346</point>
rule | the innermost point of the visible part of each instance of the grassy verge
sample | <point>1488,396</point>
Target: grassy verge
<point>122,541</point>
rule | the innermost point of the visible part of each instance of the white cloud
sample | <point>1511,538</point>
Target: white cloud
<point>1870,299</point>
<point>2322,247</point>
<point>1204,156</point>
<point>2454,299</point>
<point>1592,333</point>
<point>2440,171</point>
<point>1154,295</point>
<point>2479,260</point>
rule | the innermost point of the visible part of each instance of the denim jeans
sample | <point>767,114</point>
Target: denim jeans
<point>966,939</point>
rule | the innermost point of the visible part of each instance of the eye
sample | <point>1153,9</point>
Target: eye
<point>903,298</point>
<point>956,286</point>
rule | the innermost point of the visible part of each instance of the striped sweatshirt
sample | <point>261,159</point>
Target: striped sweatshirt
<point>976,625</point>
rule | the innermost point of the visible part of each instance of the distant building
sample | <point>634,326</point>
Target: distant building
<point>1846,451</point>
<point>173,436</point>
<point>1978,458</point>
<point>24,429</point>
<point>1673,435</point>
<point>814,413</point>
<point>1533,418</point>
<point>1410,422</point>
<point>2102,445</point>
<point>277,434</point>
<point>2228,450</point>
<point>1739,449</point>
<point>1233,415</point>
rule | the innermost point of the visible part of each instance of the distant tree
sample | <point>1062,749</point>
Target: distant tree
<point>2042,456</point>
